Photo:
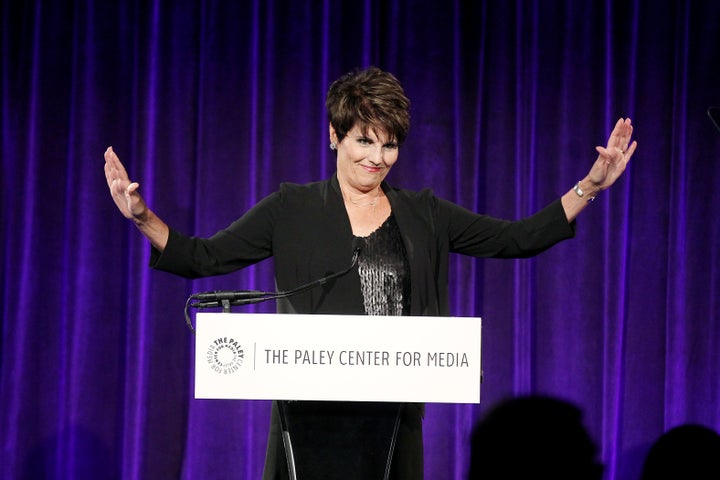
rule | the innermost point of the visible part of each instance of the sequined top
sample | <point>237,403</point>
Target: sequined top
<point>384,271</point>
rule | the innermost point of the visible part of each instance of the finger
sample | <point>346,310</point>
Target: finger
<point>624,134</point>
<point>110,162</point>
<point>110,174</point>
<point>116,165</point>
<point>132,188</point>
<point>112,158</point>
<point>627,135</point>
<point>605,153</point>
<point>610,155</point>
<point>631,150</point>
<point>616,134</point>
<point>602,151</point>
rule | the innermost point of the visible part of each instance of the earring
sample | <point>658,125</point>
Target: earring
<point>333,146</point>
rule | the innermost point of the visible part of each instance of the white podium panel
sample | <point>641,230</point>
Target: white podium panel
<point>338,357</point>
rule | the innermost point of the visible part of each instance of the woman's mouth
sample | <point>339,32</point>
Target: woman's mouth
<point>371,168</point>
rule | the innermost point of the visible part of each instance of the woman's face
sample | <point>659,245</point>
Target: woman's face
<point>364,159</point>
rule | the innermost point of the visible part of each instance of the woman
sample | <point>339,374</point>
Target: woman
<point>402,267</point>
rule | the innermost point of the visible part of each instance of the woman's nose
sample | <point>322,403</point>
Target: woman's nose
<point>376,156</point>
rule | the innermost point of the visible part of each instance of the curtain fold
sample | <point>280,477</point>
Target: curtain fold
<point>211,105</point>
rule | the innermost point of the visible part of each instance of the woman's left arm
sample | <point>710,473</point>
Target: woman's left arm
<point>608,167</point>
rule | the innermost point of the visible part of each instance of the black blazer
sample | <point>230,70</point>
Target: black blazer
<point>306,230</point>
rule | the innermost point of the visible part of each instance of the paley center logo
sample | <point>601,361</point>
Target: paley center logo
<point>225,355</point>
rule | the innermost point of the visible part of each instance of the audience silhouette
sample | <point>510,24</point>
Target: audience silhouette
<point>530,437</point>
<point>687,452</point>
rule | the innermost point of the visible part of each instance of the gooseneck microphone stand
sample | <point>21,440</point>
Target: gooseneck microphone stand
<point>230,298</point>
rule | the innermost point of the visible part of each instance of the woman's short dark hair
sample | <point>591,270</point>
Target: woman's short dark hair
<point>372,99</point>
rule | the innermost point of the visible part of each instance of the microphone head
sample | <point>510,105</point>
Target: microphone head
<point>358,244</point>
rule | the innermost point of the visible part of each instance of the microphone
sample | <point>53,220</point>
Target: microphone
<point>229,295</point>
<point>714,114</point>
<point>227,298</point>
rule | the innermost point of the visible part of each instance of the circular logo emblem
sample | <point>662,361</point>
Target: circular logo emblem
<point>225,355</point>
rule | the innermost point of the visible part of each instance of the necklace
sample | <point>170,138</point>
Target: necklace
<point>371,203</point>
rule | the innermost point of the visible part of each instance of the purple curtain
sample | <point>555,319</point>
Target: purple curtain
<point>212,104</point>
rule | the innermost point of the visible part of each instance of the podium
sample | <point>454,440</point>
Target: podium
<point>341,383</point>
<point>338,358</point>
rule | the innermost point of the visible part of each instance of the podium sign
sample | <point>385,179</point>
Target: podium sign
<point>338,357</point>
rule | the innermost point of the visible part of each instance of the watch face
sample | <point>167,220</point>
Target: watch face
<point>578,190</point>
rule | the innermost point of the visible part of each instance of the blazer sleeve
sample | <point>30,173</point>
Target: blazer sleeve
<point>246,241</point>
<point>478,235</point>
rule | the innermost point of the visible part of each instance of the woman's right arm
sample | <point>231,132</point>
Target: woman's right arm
<point>131,204</point>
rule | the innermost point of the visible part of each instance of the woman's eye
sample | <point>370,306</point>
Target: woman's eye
<point>391,146</point>
<point>364,140</point>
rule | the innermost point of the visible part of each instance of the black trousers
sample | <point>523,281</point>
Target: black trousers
<point>346,440</point>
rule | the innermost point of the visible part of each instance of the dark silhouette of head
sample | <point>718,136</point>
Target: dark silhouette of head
<point>687,452</point>
<point>533,437</point>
